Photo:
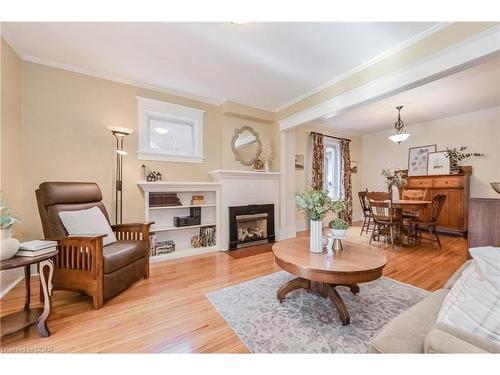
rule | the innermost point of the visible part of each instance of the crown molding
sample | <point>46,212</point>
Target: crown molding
<point>391,51</point>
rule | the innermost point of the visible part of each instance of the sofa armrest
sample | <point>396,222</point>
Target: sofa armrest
<point>444,338</point>
<point>458,273</point>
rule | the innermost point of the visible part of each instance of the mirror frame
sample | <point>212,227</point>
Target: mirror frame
<point>237,132</point>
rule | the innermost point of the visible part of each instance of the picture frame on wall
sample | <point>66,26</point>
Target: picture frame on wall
<point>299,162</point>
<point>417,159</point>
<point>438,163</point>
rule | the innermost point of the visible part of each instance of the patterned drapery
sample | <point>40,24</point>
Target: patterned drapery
<point>346,178</point>
<point>318,161</point>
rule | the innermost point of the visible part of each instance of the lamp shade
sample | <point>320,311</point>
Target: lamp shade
<point>398,138</point>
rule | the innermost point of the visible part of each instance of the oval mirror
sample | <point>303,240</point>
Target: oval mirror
<point>246,145</point>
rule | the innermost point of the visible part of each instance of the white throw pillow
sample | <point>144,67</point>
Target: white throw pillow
<point>91,221</point>
<point>473,303</point>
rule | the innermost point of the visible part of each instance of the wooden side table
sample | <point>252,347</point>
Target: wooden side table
<point>23,319</point>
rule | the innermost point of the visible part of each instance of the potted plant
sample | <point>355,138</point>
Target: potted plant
<point>338,227</point>
<point>456,155</point>
<point>316,204</point>
<point>9,245</point>
<point>398,179</point>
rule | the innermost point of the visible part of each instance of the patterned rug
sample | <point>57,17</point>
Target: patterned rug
<point>306,323</point>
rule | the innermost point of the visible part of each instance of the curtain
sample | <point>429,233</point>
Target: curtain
<point>318,161</point>
<point>346,178</point>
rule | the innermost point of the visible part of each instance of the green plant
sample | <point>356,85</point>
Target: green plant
<point>316,203</point>
<point>339,224</point>
<point>398,178</point>
<point>7,220</point>
<point>456,155</point>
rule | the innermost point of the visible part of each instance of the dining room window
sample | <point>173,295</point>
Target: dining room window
<point>333,169</point>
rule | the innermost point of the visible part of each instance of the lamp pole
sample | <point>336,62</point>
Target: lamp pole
<point>119,134</point>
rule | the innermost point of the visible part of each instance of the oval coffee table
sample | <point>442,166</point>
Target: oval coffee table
<point>320,273</point>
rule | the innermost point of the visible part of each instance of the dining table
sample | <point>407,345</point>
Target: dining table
<point>407,204</point>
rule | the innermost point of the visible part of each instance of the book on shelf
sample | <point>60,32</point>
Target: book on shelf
<point>36,245</point>
<point>35,253</point>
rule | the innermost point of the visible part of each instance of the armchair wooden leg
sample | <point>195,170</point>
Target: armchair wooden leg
<point>98,300</point>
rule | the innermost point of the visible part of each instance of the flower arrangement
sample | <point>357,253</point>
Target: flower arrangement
<point>398,178</point>
<point>7,220</point>
<point>317,204</point>
<point>338,224</point>
<point>456,155</point>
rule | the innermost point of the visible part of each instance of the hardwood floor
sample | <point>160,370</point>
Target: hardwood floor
<point>170,313</point>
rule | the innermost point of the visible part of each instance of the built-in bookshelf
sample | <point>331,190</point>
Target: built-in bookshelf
<point>163,216</point>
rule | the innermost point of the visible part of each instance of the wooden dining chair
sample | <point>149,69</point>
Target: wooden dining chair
<point>429,226</point>
<point>385,219</point>
<point>416,195</point>
<point>367,215</point>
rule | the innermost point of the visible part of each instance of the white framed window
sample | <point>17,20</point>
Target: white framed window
<point>333,169</point>
<point>169,132</point>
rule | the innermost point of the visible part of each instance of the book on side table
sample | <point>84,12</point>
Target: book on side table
<point>36,248</point>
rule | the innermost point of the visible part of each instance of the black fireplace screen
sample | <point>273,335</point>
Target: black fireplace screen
<point>248,224</point>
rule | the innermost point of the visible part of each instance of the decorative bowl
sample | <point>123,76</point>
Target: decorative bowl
<point>495,186</point>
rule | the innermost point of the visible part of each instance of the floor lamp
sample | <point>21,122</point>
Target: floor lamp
<point>120,134</point>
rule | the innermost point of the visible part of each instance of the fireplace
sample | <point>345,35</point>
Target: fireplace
<point>251,225</point>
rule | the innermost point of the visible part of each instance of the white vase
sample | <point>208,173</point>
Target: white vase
<point>267,167</point>
<point>9,245</point>
<point>315,235</point>
<point>338,233</point>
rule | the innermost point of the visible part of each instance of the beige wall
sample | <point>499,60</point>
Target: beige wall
<point>301,137</point>
<point>10,180</point>
<point>480,131</point>
<point>65,137</point>
<point>440,40</point>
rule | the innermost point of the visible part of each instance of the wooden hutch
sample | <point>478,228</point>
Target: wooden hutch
<point>456,187</point>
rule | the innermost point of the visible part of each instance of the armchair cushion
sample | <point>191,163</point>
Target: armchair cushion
<point>122,253</point>
<point>91,221</point>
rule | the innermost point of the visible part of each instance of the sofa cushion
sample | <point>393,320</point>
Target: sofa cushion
<point>447,339</point>
<point>122,253</point>
<point>406,333</point>
<point>458,273</point>
<point>473,304</point>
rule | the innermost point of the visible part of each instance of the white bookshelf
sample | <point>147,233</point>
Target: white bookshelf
<point>163,217</point>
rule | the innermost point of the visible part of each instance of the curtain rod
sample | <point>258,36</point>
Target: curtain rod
<point>331,136</point>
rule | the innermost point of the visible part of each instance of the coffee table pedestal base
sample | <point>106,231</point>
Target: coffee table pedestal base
<point>321,289</point>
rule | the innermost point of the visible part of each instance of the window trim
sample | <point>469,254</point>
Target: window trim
<point>148,108</point>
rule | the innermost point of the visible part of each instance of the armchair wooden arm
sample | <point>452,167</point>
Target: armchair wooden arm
<point>132,231</point>
<point>79,265</point>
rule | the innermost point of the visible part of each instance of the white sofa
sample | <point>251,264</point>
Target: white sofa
<point>416,331</point>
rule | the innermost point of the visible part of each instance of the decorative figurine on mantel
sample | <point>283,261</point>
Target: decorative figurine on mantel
<point>144,172</point>
<point>151,177</point>
<point>267,156</point>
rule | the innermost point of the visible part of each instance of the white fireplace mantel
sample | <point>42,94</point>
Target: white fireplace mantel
<point>241,188</point>
<point>222,174</point>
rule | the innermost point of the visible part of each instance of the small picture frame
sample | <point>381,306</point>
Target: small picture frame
<point>354,167</point>
<point>438,163</point>
<point>417,159</point>
<point>299,162</point>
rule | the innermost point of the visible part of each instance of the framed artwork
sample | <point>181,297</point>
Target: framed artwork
<point>354,167</point>
<point>417,159</point>
<point>438,163</point>
<point>299,162</point>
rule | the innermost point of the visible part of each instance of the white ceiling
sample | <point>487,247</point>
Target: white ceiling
<point>266,65</point>
<point>472,89</point>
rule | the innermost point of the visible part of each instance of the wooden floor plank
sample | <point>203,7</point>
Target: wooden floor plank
<point>169,312</point>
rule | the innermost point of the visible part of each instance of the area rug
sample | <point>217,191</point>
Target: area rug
<point>306,323</point>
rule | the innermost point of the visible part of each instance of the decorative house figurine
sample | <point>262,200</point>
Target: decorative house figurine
<point>158,176</point>
<point>151,177</point>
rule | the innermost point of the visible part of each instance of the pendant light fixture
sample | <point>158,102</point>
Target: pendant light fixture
<point>399,134</point>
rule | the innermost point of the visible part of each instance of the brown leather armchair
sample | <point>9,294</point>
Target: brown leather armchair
<point>83,263</point>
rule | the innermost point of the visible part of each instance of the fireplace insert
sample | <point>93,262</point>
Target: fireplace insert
<point>250,225</point>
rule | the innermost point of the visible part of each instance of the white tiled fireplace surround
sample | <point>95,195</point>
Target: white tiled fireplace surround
<point>241,188</point>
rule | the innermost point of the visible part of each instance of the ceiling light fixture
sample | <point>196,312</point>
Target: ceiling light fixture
<point>399,127</point>
<point>161,131</point>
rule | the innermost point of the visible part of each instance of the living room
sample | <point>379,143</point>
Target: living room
<point>227,194</point>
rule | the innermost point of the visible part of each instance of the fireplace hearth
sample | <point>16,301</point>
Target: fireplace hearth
<point>251,225</point>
